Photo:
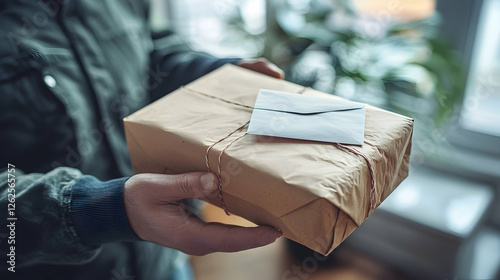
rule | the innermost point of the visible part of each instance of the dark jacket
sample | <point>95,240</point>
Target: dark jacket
<point>69,73</point>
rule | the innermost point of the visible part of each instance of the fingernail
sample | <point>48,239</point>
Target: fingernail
<point>272,236</point>
<point>208,182</point>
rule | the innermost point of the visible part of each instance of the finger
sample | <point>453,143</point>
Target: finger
<point>188,185</point>
<point>274,71</point>
<point>263,66</point>
<point>214,237</point>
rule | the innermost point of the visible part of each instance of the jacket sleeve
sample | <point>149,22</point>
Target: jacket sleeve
<point>61,217</point>
<point>174,64</point>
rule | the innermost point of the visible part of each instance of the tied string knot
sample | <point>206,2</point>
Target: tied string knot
<point>219,177</point>
<point>340,146</point>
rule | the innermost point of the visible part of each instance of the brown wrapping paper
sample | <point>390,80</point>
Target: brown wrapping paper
<point>316,193</point>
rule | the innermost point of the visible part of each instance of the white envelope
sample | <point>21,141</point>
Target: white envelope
<point>297,116</point>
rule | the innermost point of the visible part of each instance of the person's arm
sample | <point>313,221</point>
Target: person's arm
<point>64,216</point>
<point>60,217</point>
<point>174,64</point>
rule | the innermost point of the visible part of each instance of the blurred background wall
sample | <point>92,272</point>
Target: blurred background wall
<point>437,61</point>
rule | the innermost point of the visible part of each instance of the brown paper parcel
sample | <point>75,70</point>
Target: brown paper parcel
<point>316,193</point>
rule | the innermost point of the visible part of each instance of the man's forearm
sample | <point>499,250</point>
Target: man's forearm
<point>45,232</point>
<point>97,211</point>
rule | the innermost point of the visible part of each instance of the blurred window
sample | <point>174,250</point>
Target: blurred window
<point>481,108</point>
<point>224,28</point>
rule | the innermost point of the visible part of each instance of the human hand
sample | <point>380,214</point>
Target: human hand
<point>156,213</point>
<point>263,66</point>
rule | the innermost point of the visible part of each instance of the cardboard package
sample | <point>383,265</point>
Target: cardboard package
<point>317,193</point>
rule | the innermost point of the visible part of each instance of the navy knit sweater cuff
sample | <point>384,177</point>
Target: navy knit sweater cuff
<point>98,213</point>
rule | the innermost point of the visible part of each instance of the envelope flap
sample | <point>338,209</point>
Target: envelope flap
<point>301,104</point>
<point>307,117</point>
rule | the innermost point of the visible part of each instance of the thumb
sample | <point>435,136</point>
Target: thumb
<point>191,185</point>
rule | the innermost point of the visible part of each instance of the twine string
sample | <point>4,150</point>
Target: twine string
<point>216,98</point>
<point>219,176</point>
<point>219,171</point>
